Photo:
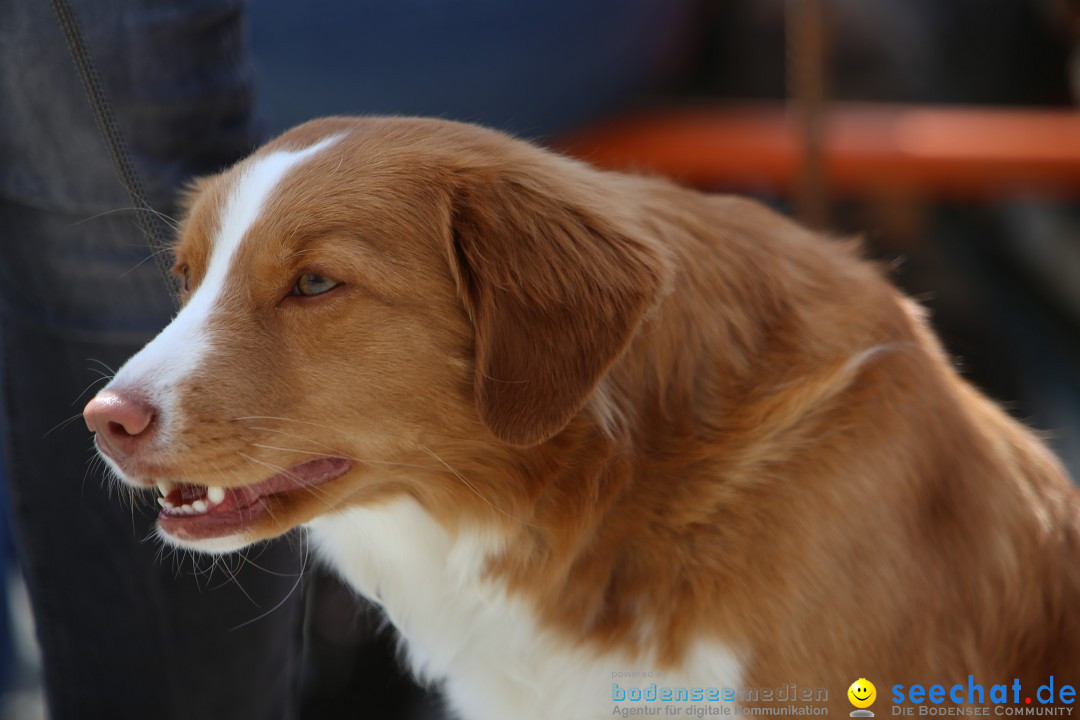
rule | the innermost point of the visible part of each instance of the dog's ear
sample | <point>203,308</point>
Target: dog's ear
<point>555,290</point>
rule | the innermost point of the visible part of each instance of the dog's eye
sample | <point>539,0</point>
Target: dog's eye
<point>311,284</point>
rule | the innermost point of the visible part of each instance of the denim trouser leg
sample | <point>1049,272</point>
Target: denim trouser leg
<point>125,632</point>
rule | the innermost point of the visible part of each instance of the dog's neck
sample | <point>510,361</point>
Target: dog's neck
<point>462,625</point>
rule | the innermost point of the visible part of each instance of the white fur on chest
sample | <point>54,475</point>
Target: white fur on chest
<point>484,646</point>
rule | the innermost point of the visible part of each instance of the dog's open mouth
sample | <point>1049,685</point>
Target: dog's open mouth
<point>204,511</point>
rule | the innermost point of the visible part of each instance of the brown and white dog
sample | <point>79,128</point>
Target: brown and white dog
<point>567,425</point>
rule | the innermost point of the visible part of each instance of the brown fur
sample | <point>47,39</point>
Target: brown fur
<point>674,406</point>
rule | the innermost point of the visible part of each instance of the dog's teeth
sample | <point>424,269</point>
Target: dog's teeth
<point>186,510</point>
<point>215,494</point>
<point>164,487</point>
<point>199,506</point>
<point>164,503</point>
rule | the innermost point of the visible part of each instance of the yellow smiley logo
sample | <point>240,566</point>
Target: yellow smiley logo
<point>862,693</point>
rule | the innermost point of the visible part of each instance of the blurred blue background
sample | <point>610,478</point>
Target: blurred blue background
<point>532,68</point>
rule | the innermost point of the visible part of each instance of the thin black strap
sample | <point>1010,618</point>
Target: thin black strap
<point>149,220</point>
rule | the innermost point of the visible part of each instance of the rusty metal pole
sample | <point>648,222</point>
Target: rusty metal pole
<point>807,69</point>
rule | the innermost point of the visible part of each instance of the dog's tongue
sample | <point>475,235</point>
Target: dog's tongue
<point>187,494</point>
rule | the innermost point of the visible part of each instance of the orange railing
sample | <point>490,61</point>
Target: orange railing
<point>968,153</point>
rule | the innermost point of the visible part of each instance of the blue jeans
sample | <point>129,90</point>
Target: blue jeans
<point>124,632</point>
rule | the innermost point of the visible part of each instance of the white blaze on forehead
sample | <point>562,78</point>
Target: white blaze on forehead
<point>157,369</point>
<point>243,206</point>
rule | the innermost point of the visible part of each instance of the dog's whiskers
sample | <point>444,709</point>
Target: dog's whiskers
<point>478,494</point>
<point>302,485</point>
<point>150,256</point>
<point>445,466</point>
<point>296,585</point>
<point>102,363</point>
<point>365,461</point>
<point>169,220</point>
<point>62,424</point>
<point>231,576</point>
<point>103,378</point>
<point>290,420</point>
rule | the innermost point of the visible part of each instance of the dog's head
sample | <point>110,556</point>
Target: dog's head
<point>360,297</point>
